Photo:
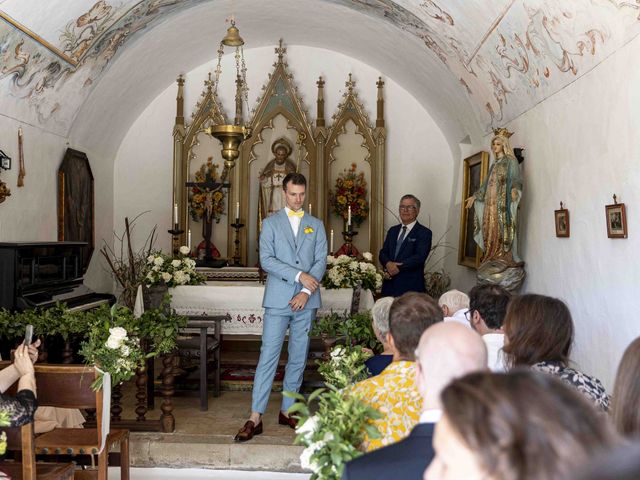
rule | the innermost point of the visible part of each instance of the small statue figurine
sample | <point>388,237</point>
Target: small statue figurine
<point>271,196</point>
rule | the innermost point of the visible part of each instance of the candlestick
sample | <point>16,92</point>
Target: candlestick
<point>331,242</point>
<point>189,239</point>
<point>175,213</point>
<point>349,218</point>
<point>309,209</point>
<point>237,211</point>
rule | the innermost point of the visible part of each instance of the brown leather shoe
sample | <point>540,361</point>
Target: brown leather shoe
<point>284,420</point>
<point>247,432</point>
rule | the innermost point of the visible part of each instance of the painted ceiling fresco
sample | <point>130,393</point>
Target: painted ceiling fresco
<point>505,55</point>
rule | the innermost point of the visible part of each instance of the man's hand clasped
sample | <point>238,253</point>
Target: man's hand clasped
<point>299,301</point>
<point>392,268</point>
<point>309,282</point>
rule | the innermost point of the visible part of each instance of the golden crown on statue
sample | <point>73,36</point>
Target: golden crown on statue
<point>502,132</point>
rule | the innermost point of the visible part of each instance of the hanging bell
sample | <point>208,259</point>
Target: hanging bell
<point>233,38</point>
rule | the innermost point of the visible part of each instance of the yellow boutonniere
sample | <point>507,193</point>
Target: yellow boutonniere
<point>308,230</point>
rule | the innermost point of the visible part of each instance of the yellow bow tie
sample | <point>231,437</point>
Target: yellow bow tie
<point>298,214</point>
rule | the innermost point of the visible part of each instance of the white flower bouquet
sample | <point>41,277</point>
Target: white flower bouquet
<point>345,366</point>
<point>348,272</point>
<point>333,434</point>
<point>112,349</point>
<point>161,269</point>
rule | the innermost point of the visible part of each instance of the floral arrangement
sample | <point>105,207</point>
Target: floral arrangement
<point>163,269</point>
<point>348,272</point>
<point>333,434</point>
<point>350,191</point>
<point>113,350</point>
<point>5,421</point>
<point>345,366</point>
<point>201,199</point>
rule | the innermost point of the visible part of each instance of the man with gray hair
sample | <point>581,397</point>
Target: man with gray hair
<point>454,305</point>
<point>380,321</point>
<point>446,351</point>
<point>405,250</point>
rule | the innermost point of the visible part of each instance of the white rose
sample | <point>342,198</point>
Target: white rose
<point>113,343</point>
<point>176,263</point>
<point>367,256</point>
<point>118,332</point>
<point>308,427</point>
<point>166,277</point>
<point>150,259</point>
<point>184,250</point>
<point>305,458</point>
<point>159,261</point>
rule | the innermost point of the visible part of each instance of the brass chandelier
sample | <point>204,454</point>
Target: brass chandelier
<point>232,135</point>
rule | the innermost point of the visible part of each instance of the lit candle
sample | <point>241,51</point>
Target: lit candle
<point>237,210</point>
<point>19,131</point>
<point>349,218</point>
<point>309,209</point>
<point>175,213</point>
<point>331,242</point>
<point>189,239</point>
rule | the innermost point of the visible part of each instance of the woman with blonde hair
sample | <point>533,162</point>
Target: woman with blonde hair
<point>626,392</point>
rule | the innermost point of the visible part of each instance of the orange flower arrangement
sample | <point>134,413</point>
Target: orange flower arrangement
<point>350,191</point>
<point>198,196</point>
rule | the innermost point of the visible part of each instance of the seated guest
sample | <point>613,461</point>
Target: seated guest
<point>394,392</point>
<point>380,321</point>
<point>487,308</point>
<point>21,407</point>
<point>626,392</point>
<point>520,425</point>
<point>454,305</point>
<point>539,334</point>
<point>620,463</point>
<point>446,351</point>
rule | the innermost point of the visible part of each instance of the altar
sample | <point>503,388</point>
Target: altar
<point>241,303</point>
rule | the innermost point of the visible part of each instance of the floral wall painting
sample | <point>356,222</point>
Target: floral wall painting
<point>475,168</point>
<point>563,227</point>
<point>616,219</point>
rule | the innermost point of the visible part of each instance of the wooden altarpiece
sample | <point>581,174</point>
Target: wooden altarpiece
<point>373,138</point>
<point>185,137</point>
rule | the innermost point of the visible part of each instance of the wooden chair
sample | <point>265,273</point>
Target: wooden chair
<point>69,386</point>
<point>22,439</point>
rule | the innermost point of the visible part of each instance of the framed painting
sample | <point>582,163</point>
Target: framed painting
<point>616,220</point>
<point>563,227</point>
<point>475,169</point>
<point>76,216</point>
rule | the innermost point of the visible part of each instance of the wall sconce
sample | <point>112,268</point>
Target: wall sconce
<point>5,161</point>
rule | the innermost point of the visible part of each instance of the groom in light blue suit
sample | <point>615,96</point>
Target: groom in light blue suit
<point>293,252</point>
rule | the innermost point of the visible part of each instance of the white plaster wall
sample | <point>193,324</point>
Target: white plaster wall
<point>582,146</point>
<point>30,213</point>
<point>419,159</point>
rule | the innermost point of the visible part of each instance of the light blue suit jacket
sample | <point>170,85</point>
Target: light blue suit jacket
<point>282,256</point>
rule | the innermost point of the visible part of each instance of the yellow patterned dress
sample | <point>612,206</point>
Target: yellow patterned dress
<point>393,392</point>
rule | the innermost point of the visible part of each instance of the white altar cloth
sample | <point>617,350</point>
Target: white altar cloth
<point>243,303</point>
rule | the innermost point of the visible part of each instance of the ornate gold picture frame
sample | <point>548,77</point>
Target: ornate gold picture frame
<point>563,225</point>
<point>475,170</point>
<point>616,219</point>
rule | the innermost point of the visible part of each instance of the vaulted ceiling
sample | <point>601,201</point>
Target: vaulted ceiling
<point>472,64</point>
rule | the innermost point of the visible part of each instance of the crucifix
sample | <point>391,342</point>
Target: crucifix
<point>210,187</point>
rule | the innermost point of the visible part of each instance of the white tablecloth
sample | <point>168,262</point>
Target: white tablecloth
<point>243,302</point>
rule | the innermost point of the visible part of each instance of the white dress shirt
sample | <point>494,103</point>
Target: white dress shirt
<point>459,317</point>
<point>409,227</point>
<point>494,343</point>
<point>430,416</point>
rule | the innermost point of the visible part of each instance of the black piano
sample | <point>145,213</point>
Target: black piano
<point>39,274</point>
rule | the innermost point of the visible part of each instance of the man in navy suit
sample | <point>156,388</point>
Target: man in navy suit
<point>404,251</point>
<point>446,351</point>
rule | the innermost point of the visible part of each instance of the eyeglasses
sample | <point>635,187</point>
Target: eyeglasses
<point>407,207</point>
<point>468,314</point>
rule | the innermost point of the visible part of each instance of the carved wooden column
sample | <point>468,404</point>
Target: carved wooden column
<point>141,388</point>
<point>178,170</point>
<point>377,173</point>
<point>166,419</point>
<point>320,133</point>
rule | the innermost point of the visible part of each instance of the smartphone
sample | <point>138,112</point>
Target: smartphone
<point>28,335</point>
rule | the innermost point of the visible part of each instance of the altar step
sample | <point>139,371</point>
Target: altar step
<point>205,439</point>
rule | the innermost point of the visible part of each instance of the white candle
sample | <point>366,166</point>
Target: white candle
<point>175,213</point>
<point>189,239</point>
<point>349,218</point>
<point>237,210</point>
<point>19,131</point>
<point>309,209</point>
<point>331,242</point>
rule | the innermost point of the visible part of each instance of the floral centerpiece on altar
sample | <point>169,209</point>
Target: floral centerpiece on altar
<point>204,199</point>
<point>350,191</point>
<point>163,269</point>
<point>349,272</point>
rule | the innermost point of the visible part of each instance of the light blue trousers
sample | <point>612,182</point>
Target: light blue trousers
<point>275,324</point>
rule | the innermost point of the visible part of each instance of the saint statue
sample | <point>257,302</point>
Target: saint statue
<point>496,215</point>
<point>271,196</point>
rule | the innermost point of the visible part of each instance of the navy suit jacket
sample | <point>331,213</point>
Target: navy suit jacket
<point>406,459</point>
<point>413,253</point>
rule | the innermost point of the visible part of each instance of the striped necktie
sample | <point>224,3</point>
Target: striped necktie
<point>400,240</point>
